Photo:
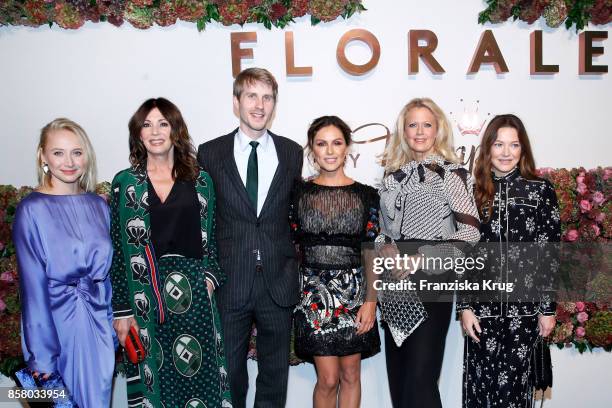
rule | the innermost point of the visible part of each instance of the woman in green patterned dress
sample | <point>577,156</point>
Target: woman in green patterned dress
<point>165,267</point>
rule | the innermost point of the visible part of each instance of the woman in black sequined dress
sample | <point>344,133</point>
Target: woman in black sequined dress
<point>331,216</point>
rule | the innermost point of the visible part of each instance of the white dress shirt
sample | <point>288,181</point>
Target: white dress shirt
<point>267,161</point>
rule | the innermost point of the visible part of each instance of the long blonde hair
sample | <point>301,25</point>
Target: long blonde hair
<point>87,181</point>
<point>397,152</point>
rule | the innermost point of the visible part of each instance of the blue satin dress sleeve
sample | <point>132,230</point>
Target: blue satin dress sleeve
<point>39,340</point>
<point>64,254</point>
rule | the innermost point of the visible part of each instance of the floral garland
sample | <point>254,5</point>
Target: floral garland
<point>573,12</point>
<point>585,203</point>
<point>143,14</point>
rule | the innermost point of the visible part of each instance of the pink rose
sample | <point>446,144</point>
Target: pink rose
<point>580,178</point>
<point>607,173</point>
<point>545,170</point>
<point>580,306</point>
<point>598,197</point>
<point>6,276</point>
<point>571,235</point>
<point>600,217</point>
<point>580,332</point>
<point>596,230</point>
<point>585,206</point>
<point>582,317</point>
<point>2,305</point>
<point>582,188</point>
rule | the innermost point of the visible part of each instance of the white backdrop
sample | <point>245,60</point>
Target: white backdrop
<point>99,74</point>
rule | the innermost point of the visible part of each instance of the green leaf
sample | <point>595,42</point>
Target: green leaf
<point>201,23</point>
<point>212,12</point>
<point>484,17</point>
<point>8,365</point>
<point>314,20</point>
<point>580,346</point>
<point>516,11</point>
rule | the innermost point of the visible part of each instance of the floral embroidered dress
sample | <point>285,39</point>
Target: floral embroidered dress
<point>524,221</point>
<point>166,292</point>
<point>329,224</point>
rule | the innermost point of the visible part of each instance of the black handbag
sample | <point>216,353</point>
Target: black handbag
<point>541,366</point>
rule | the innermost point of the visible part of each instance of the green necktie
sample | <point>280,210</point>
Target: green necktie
<point>252,177</point>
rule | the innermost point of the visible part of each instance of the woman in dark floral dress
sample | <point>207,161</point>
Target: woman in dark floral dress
<point>520,215</point>
<point>331,215</point>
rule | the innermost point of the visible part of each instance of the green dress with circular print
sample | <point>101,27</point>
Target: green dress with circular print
<point>167,295</point>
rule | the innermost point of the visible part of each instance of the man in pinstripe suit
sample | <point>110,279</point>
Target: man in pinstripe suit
<point>253,171</point>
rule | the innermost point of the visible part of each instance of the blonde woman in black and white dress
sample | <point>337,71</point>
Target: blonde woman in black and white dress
<point>427,199</point>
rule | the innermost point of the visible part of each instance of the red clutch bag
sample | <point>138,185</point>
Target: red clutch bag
<point>134,349</point>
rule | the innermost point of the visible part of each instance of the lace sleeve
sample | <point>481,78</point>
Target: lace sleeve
<point>371,231</point>
<point>460,195</point>
<point>372,205</point>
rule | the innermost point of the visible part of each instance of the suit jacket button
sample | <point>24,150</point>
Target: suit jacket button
<point>257,224</point>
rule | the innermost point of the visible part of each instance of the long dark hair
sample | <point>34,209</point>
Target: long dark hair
<point>185,165</point>
<point>485,190</point>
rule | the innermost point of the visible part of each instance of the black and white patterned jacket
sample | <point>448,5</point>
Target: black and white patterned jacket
<point>431,200</point>
<point>517,237</point>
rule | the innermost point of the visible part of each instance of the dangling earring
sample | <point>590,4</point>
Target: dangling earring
<point>45,168</point>
<point>313,161</point>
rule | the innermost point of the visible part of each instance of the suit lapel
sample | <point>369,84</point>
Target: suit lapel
<point>280,172</point>
<point>230,167</point>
